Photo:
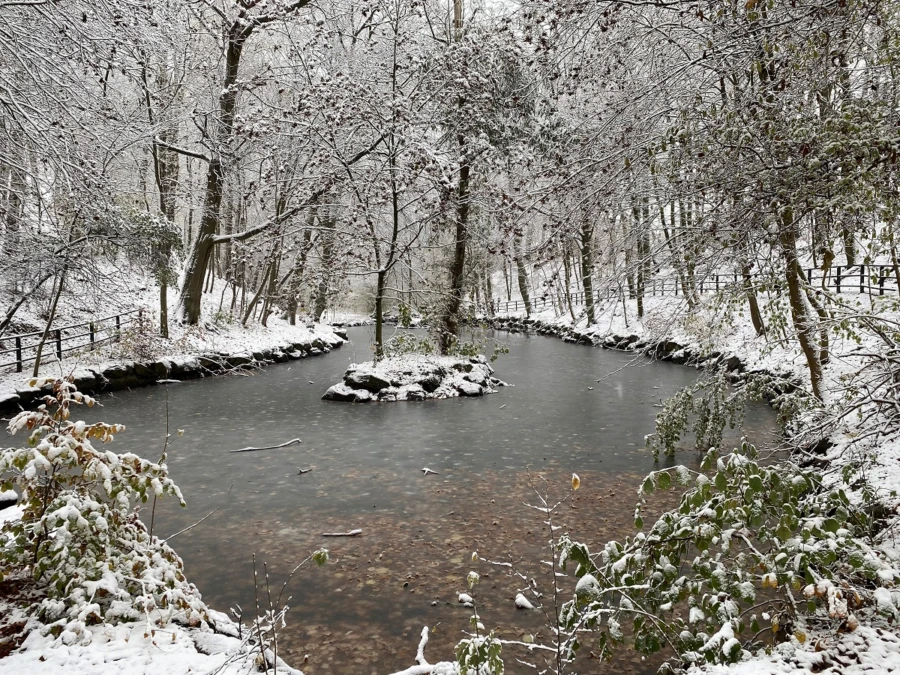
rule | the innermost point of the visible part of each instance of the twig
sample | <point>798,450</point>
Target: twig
<point>302,471</point>
<point>351,533</point>
<point>270,447</point>
<point>190,527</point>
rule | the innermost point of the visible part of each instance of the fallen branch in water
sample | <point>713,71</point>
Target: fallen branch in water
<point>304,471</point>
<point>351,533</point>
<point>270,447</point>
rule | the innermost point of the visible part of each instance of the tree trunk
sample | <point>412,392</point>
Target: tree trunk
<point>322,290</point>
<point>587,271</point>
<point>198,259</point>
<point>522,273</point>
<point>489,292</point>
<point>380,281</point>
<point>755,316</point>
<point>40,347</point>
<point>801,311</point>
<point>297,274</point>
<point>450,322</point>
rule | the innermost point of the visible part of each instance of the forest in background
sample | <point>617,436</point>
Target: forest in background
<point>445,156</point>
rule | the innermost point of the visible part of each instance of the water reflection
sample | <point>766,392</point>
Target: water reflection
<point>362,613</point>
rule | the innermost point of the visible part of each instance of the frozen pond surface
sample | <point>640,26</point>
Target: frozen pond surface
<point>362,613</point>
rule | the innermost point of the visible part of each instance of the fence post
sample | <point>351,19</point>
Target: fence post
<point>717,283</point>
<point>93,335</point>
<point>59,344</point>
<point>18,354</point>
<point>862,278</point>
<point>837,280</point>
<point>118,328</point>
<point>881,280</point>
<point>809,275</point>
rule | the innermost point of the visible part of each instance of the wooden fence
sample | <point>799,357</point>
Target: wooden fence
<point>854,279</point>
<point>63,340</point>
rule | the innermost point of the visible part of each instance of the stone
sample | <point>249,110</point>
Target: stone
<point>430,382</point>
<point>239,360</point>
<point>212,364</point>
<point>363,396</point>
<point>118,371</point>
<point>678,357</point>
<point>415,393</point>
<point>469,389</point>
<point>160,368</point>
<point>339,392</point>
<point>665,348</point>
<point>733,365</point>
<point>9,401</point>
<point>144,370</point>
<point>476,378</point>
<point>356,380</point>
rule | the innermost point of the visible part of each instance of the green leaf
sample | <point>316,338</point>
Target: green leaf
<point>664,480</point>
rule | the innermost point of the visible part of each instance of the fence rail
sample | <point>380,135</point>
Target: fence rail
<point>63,340</point>
<point>853,279</point>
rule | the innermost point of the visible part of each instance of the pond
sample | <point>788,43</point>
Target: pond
<point>363,612</point>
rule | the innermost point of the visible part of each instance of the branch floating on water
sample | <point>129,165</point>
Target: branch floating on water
<point>351,533</point>
<point>270,447</point>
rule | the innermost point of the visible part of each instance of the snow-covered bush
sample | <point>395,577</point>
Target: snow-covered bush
<point>754,551</point>
<point>713,403</point>
<point>80,536</point>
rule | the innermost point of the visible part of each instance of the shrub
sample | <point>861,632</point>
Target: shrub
<point>753,550</point>
<point>80,536</point>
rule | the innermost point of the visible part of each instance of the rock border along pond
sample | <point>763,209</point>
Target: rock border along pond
<point>132,374</point>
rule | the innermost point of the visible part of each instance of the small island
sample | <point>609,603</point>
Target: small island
<point>415,378</point>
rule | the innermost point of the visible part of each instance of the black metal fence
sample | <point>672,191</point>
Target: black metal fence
<point>875,280</point>
<point>63,340</point>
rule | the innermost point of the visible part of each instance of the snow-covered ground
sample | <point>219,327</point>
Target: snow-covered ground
<point>138,648</point>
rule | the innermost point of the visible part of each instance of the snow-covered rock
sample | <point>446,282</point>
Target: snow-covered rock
<point>340,392</point>
<point>415,378</point>
<point>522,602</point>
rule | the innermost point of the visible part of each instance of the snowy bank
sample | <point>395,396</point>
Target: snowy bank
<point>202,353</point>
<point>137,647</point>
<point>415,378</point>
